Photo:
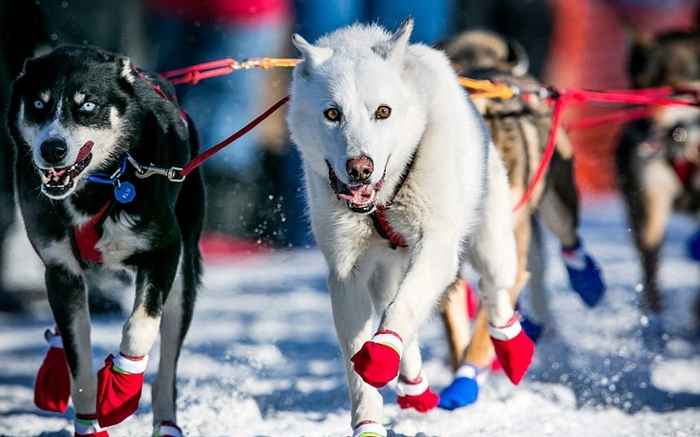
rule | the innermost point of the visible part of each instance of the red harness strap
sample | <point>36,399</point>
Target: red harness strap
<point>86,237</point>
<point>384,229</point>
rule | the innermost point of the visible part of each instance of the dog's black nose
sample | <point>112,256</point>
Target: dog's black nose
<point>53,150</point>
<point>360,168</point>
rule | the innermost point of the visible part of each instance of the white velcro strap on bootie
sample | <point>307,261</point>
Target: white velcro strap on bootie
<point>507,332</point>
<point>408,389</point>
<point>369,429</point>
<point>130,366</point>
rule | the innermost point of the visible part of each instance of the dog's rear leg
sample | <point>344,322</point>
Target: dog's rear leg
<point>68,299</point>
<point>121,380</point>
<point>455,317</point>
<point>177,316</point>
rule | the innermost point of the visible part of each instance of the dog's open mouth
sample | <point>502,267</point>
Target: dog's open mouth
<point>361,198</point>
<point>57,181</point>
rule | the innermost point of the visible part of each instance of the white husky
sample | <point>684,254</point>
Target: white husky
<point>393,148</point>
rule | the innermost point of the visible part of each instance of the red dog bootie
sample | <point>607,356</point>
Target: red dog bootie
<point>377,362</point>
<point>369,428</point>
<point>166,429</point>
<point>416,394</point>
<point>119,385</point>
<point>514,349</point>
<point>52,387</point>
<point>86,426</point>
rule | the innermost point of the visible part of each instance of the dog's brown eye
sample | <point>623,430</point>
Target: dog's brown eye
<point>332,114</point>
<point>382,112</point>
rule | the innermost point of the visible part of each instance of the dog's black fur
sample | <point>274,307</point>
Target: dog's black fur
<point>165,218</point>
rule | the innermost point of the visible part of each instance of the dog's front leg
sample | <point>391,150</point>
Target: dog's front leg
<point>119,383</point>
<point>432,267</point>
<point>494,257</point>
<point>67,293</point>
<point>352,316</point>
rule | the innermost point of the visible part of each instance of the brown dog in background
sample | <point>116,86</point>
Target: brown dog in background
<point>520,129</point>
<point>658,161</point>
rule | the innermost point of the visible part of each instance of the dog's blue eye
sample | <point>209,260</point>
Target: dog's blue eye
<point>38,104</point>
<point>88,107</point>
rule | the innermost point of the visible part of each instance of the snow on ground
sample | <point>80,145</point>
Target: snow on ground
<point>262,359</point>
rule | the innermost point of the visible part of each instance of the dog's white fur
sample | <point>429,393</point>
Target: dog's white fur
<point>454,204</point>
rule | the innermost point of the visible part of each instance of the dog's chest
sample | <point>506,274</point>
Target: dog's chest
<point>119,239</point>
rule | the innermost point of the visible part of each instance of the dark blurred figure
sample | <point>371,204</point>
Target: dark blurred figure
<point>21,29</point>
<point>30,29</point>
<point>529,22</point>
<point>242,202</point>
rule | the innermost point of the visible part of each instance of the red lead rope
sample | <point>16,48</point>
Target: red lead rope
<point>199,159</point>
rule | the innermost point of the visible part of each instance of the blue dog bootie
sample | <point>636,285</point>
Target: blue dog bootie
<point>584,274</point>
<point>464,389</point>
<point>693,246</point>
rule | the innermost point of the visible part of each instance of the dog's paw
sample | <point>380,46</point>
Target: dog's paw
<point>87,426</point>
<point>119,386</point>
<point>584,274</point>
<point>464,389</point>
<point>653,331</point>
<point>533,329</point>
<point>52,387</point>
<point>514,349</point>
<point>693,246</point>
<point>416,394</point>
<point>166,429</point>
<point>369,428</point>
<point>377,362</point>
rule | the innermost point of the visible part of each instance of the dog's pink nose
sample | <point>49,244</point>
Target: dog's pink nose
<point>360,168</point>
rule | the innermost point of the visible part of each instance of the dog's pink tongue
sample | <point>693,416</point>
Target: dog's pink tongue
<point>84,151</point>
<point>358,193</point>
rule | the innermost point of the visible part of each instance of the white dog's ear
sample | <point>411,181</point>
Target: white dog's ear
<point>395,48</point>
<point>313,55</point>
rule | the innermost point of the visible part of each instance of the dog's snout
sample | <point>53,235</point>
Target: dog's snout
<point>360,168</point>
<point>53,150</point>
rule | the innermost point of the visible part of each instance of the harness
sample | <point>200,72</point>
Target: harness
<point>381,224</point>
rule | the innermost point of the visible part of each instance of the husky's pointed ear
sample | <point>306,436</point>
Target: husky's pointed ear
<point>395,48</point>
<point>313,55</point>
<point>126,70</point>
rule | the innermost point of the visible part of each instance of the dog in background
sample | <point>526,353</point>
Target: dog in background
<point>403,184</point>
<point>658,161</point>
<point>85,124</point>
<point>520,128</point>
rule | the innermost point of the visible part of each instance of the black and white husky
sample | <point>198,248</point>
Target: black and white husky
<point>86,127</point>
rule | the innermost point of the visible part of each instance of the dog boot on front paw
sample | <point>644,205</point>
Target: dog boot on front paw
<point>119,385</point>
<point>377,362</point>
<point>514,349</point>
<point>87,426</point>
<point>166,429</point>
<point>584,274</point>
<point>464,389</point>
<point>52,387</point>
<point>694,246</point>
<point>369,429</point>
<point>532,329</point>
<point>416,394</point>
<point>654,334</point>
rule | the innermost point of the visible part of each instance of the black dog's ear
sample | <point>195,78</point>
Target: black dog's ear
<point>125,69</point>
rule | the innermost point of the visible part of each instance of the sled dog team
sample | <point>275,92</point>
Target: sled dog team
<point>406,179</point>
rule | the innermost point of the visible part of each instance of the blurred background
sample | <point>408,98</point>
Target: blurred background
<point>254,186</point>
